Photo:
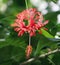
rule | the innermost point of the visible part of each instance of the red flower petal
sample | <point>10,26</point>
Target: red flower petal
<point>21,33</point>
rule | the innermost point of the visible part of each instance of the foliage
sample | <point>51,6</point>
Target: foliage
<point>12,49</point>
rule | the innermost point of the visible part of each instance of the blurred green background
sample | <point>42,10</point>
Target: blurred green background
<point>12,47</point>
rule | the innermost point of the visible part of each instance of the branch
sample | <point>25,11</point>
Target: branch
<point>41,56</point>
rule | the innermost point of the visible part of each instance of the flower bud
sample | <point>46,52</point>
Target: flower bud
<point>28,51</point>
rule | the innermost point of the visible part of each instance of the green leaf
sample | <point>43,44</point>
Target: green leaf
<point>46,34</point>
<point>55,1</point>
<point>56,58</point>
<point>44,42</point>
<point>52,0</point>
<point>5,1</point>
<point>9,54</point>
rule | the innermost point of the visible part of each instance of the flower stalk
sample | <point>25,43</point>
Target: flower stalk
<point>29,47</point>
<point>26,4</point>
<point>29,40</point>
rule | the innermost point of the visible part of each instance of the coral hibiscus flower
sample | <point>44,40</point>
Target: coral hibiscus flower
<point>34,20</point>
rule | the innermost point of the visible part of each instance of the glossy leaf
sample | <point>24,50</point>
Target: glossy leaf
<point>46,34</point>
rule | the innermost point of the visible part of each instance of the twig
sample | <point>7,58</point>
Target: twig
<point>41,56</point>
